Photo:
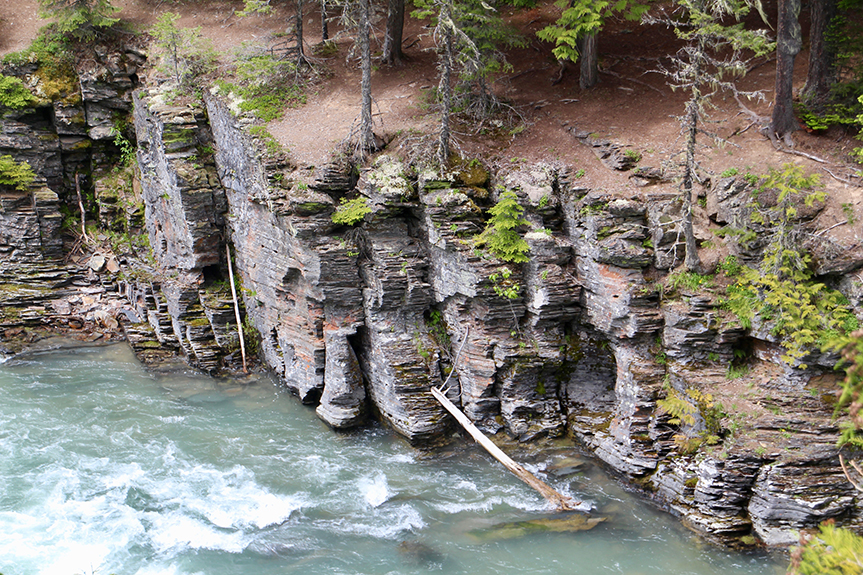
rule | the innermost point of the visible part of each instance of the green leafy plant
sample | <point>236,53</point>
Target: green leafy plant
<point>351,212</point>
<point>848,210</point>
<point>17,175</point>
<point>685,410</point>
<point>272,145</point>
<point>729,173</point>
<point>128,151</point>
<point>851,348</point>
<point>689,281</point>
<point>503,284</point>
<point>582,19</point>
<point>14,94</point>
<point>730,266</point>
<point>501,233</point>
<point>782,292</point>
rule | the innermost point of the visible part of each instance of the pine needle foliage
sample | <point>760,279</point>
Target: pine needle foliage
<point>14,94</point>
<point>851,348</point>
<point>16,175</point>
<point>501,233</point>
<point>184,52</point>
<point>351,212</point>
<point>583,17</point>
<point>80,19</point>
<point>832,551</point>
<point>783,292</point>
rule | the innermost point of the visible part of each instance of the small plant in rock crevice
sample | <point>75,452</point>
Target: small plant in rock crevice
<point>501,233</point>
<point>17,175</point>
<point>14,94</point>
<point>351,212</point>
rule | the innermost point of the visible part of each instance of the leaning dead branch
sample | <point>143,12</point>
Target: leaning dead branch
<point>560,501</point>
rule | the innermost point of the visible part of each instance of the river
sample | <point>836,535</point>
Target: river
<point>108,469</point>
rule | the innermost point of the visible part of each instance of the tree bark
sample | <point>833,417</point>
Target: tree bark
<point>325,28</point>
<point>395,31</point>
<point>821,74</point>
<point>367,142</point>
<point>788,43</point>
<point>589,61</point>
<point>691,260</point>
<point>445,87</point>
<point>301,55</point>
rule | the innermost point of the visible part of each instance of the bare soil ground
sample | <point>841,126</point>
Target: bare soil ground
<point>632,105</point>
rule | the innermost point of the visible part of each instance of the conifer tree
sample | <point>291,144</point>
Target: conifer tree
<point>574,33</point>
<point>80,19</point>
<point>699,70</point>
<point>468,34</point>
<point>392,54</point>
<point>789,41</point>
<point>264,7</point>
<point>185,53</point>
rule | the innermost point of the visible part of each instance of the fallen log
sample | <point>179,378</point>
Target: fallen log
<point>561,502</point>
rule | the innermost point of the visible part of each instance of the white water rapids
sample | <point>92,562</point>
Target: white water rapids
<point>105,469</point>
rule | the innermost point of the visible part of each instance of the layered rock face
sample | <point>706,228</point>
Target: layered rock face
<point>64,134</point>
<point>362,320</point>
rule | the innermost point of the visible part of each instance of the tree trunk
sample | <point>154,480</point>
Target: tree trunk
<point>301,56</point>
<point>821,74</point>
<point>367,142</point>
<point>325,29</point>
<point>788,43</point>
<point>588,56</point>
<point>445,87</point>
<point>395,30</point>
<point>691,259</point>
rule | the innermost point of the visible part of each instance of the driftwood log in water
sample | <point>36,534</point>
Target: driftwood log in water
<point>562,502</point>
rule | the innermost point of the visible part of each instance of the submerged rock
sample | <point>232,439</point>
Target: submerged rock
<point>564,523</point>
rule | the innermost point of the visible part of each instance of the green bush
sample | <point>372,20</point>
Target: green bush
<point>832,551</point>
<point>185,54</point>
<point>351,212</point>
<point>501,233</point>
<point>782,292</point>
<point>14,94</point>
<point>14,174</point>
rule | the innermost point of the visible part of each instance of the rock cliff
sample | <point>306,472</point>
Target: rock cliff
<point>585,339</point>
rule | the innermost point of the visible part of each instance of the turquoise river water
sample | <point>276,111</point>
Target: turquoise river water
<point>108,469</point>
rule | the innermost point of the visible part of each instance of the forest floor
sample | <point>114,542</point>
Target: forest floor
<point>632,105</point>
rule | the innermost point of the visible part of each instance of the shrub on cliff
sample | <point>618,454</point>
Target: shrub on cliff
<point>831,551</point>
<point>783,292</point>
<point>14,174</point>
<point>14,94</point>
<point>501,233</point>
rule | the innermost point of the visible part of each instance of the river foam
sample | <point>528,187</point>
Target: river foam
<point>107,469</point>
